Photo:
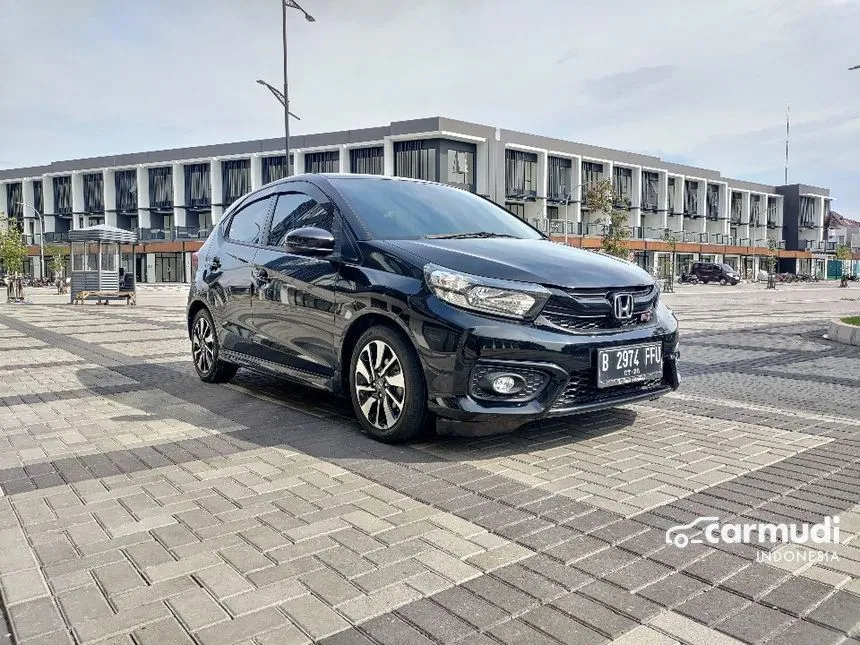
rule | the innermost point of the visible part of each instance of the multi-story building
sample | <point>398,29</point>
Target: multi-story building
<point>174,197</point>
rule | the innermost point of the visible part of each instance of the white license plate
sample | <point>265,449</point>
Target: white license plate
<point>621,365</point>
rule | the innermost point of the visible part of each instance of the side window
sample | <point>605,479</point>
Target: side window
<point>247,224</point>
<point>297,210</point>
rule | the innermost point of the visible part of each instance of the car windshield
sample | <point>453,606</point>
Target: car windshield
<point>393,209</point>
<point>727,268</point>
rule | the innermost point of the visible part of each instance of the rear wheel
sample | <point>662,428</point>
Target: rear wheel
<point>205,349</point>
<point>387,387</point>
<point>723,281</point>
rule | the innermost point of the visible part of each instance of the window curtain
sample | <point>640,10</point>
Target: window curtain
<point>63,195</point>
<point>771,210</point>
<point>461,168</point>
<point>322,162</point>
<point>94,192</point>
<point>236,179</point>
<point>520,173</point>
<point>416,159</point>
<point>275,168</point>
<point>126,191</point>
<point>366,161</point>
<point>161,187</point>
<point>713,201</point>
<point>559,180</point>
<point>691,197</point>
<point>807,212</point>
<point>737,207</point>
<point>650,188</point>
<point>670,206</point>
<point>755,209</point>
<point>198,188</point>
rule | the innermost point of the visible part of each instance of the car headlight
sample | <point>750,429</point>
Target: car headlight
<point>487,295</point>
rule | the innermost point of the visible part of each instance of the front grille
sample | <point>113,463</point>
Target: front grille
<point>534,380</point>
<point>578,310</point>
<point>582,389</point>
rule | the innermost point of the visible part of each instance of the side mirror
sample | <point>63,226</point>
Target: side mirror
<point>310,240</point>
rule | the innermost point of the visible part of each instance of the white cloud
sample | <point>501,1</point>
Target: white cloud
<point>704,82</point>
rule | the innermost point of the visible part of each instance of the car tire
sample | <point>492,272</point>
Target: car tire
<point>391,406</point>
<point>723,281</point>
<point>205,349</point>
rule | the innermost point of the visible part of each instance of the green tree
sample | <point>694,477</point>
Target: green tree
<point>601,197</point>
<point>12,247</point>
<point>57,263</point>
<point>843,254</point>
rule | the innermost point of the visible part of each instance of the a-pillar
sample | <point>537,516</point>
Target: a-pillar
<point>256,164</point>
<point>77,199</point>
<point>109,182</point>
<point>143,219</point>
<point>178,196</point>
<point>216,197</point>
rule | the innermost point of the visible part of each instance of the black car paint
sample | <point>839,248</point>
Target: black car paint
<point>295,315</point>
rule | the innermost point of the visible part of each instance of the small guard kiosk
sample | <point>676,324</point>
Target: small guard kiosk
<point>95,260</point>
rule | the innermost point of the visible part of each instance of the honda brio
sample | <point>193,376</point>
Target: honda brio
<point>427,305</point>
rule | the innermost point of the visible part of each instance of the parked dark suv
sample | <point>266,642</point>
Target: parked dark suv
<point>422,301</point>
<point>710,272</point>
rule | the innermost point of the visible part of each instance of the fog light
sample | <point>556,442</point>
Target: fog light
<point>504,385</point>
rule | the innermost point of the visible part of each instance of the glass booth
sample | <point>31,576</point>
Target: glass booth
<point>95,262</point>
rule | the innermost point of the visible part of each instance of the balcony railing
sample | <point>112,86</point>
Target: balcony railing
<point>178,233</point>
<point>814,245</point>
<point>56,237</point>
<point>771,223</point>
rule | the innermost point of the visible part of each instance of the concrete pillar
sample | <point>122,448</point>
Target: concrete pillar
<point>178,194</point>
<point>216,179</point>
<point>29,214</point>
<point>77,199</point>
<point>344,165</point>
<point>575,209</point>
<point>482,168</point>
<point>143,219</point>
<point>186,258</point>
<point>388,157</point>
<point>662,197</point>
<point>635,218</point>
<point>150,267</point>
<point>109,182</point>
<point>256,164</point>
<point>298,162</point>
<point>48,194</point>
<point>4,207</point>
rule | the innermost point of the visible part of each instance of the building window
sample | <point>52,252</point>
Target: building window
<point>416,159</point>
<point>461,167</point>
<point>38,197</point>
<point>559,179</point>
<point>126,191</point>
<point>622,185</point>
<point>670,204</point>
<point>14,197</point>
<point>169,267</point>
<point>755,209</point>
<point>552,212</point>
<point>713,201</point>
<point>517,209</point>
<point>94,192</point>
<point>737,207</point>
<point>772,207</point>
<point>520,174</point>
<point>63,195</point>
<point>691,198</point>
<point>161,188</point>
<point>198,187</point>
<point>592,173</point>
<point>235,180</point>
<point>807,212</point>
<point>275,168</point>
<point>367,161</point>
<point>650,188</point>
<point>322,161</point>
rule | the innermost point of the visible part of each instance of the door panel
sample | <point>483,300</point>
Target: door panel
<point>293,311</point>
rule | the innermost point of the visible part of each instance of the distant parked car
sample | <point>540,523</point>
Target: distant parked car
<point>711,272</point>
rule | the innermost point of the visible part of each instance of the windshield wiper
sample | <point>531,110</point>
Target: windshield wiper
<point>464,236</point>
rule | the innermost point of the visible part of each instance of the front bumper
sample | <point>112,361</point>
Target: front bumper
<point>568,360</point>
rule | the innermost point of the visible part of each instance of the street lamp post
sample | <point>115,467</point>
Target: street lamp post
<point>41,238</point>
<point>289,4</point>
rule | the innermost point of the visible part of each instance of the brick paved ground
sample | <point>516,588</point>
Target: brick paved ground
<point>143,506</point>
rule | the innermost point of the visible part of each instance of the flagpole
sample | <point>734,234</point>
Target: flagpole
<point>787,130</point>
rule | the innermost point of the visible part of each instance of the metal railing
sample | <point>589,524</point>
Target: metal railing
<point>175,234</point>
<point>56,237</point>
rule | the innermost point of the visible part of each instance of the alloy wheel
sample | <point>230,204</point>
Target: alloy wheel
<point>379,384</point>
<point>203,345</point>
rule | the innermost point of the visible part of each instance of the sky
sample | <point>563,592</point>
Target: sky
<point>692,81</point>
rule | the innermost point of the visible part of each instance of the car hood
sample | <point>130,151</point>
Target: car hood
<point>538,261</point>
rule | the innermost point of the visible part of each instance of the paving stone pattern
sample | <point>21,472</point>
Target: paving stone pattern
<point>143,506</point>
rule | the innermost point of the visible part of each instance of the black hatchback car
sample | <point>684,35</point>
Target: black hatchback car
<point>422,302</point>
<point>710,272</point>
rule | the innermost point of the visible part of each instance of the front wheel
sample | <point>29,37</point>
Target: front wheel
<point>205,349</point>
<point>387,389</point>
<point>723,281</point>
